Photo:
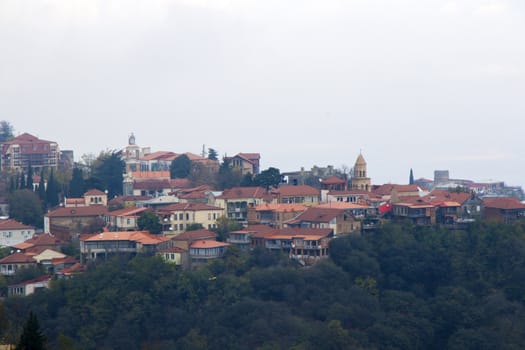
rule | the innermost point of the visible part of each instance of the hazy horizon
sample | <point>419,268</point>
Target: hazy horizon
<point>425,85</point>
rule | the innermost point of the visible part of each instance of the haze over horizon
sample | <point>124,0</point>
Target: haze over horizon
<point>413,84</point>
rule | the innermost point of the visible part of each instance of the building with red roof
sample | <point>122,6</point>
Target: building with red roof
<point>246,163</point>
<point>202,251</point>
<point>176,218</point>
<point>13,232</point>
<point>27,150</point>
<point>503,209</point>
<point>237,200</point>
<point>341,221</point>
<point>274,214</point>
<point>300,194</point>
<point>28,287</point>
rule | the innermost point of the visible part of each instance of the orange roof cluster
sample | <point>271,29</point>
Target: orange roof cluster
<point>445,196</point>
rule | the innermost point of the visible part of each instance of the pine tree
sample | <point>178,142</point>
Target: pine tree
<point>32,337</point>
<point>212,154</point>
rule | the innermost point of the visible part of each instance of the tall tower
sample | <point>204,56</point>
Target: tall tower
<point>360,181</point>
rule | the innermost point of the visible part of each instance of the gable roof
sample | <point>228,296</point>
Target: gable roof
<point>39,240</point>
<point>188,207</point>
<point>438,195</point>
<point>135,211</point>
<point>206,244</point>
<point>92,210</point>
<point>316,214</point>
<point>244,192</point>
<point>280,207</point>
<point>201,234</point>
<point>333,180</point>
<point>18,258</point>
<point>505,203</point>
<point>94,192</point>
<point>143,237</point>
<point>300,190</point>
<point>34,280</point>
<point>386,189</point>
<point>11,224</point>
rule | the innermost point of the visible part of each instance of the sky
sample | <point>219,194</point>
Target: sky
<point>422,84</point>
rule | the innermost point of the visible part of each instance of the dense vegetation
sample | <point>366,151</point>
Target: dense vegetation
<point>404,287</point>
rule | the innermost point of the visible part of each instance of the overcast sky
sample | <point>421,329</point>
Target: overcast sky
<point>422,84</point>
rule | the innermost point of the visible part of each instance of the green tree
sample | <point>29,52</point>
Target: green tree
<point>411,177</point>
<point>149,221</point>
<point>224,227</point>
<point>76,185</point>
<point>248,181</point>
<point>6,131</point>
<point>107,173</point>
<point>32,337</point>
<point>212,154</point>
<point>25,206</point>
<point>22,184</point>
<point>29,181</point>
<point>52,191</point>
<point>227,177</point>
<point>268,177</point>
<point>194,226</point>
<point>180,167</point>
<point>42,187</point>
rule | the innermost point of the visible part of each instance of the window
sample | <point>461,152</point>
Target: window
<point>181,216</point>
<point>181,227</point>
<point>187,216</point>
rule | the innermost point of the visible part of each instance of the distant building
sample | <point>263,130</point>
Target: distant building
<point>26,288</point>
<point>246,163</point>
<point>360,179</point>
<point>13,232</point>
<point>27,150</point>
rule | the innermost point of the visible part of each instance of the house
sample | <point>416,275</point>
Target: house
<point>124,219</point>
<point>418,211</point>
<point>13,232</point>
<point>27,150</point>
<point>39,243</point>
<point>341,221</point>
<point>26,288</point>
<point>185,239</point>
<point>71,271</point>
<point>274,214</point>
<point>174,255</point>
<point>67,223</point>
<point>237,200</point>
<point>300,194</point>
<point>101,245</point>
<point>14,262</point>
<point>397,193</point>
<point>96,197</point>
<point>503,209</point>
<point>470,205</point>
<point>157,161</point>
<point>304,244</point>
<point>151,183</point>
<point>246,163</point>
<point>177,217</point>
<point>203,251</point>
<point>350,196</point>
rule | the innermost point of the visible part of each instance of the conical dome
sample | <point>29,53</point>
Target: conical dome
<point>360,160</point>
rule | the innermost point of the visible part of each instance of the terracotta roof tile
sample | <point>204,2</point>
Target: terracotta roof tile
<point>94,192</point>
<point>92,210</point>
<point>506,203</point>
<point>318,215</point>
<point>204,244</point>
<point>195,235</point>
<point>17,258</point>
<point>245,192</point>
<point>11,224</point>
<point>301,190</point>
<point>136,211</point>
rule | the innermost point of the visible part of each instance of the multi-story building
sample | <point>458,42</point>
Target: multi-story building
<point>27,150</point>
<point>237,200</point>
<point>300,194</point>
<point>13,232</point>
<point>176,218</point>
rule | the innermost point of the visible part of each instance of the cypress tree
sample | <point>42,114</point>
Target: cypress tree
<point>42,187</point>
<point>29,181</point>
<point>52,191</point>
<point>411,178</point>
<point>22,182</point>
<point>76,185</point>
<point>32,337</point>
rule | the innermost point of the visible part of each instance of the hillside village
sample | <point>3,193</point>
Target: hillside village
<point>190,209</point>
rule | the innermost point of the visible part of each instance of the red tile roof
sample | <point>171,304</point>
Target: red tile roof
<point>39,240</point>
<point>136,211</point>
<point>92,210</point>
<point>11,224</point>
<point>318,215</point>
<point>445,195</point>
<point>94,192</point>
<point>245,192</point>
<point>208,244</point>
<point>281,207</point>
<point>385,190</point>
<point>506,203</point>
<point>18,258</point>
<point>341,205</point>
<point>159,155</point>
<point>333,180</point>
<point>195,235</point>
<point>301,190</point>
<point>143,237</point>
<point>34,280</point>
<point>188,207</point>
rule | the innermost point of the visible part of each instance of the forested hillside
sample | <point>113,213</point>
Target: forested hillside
<point>404,287</point>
